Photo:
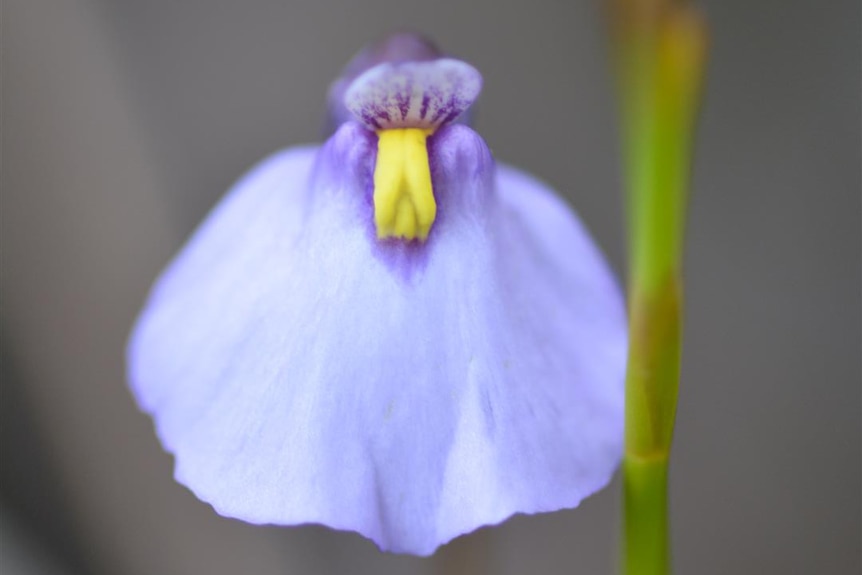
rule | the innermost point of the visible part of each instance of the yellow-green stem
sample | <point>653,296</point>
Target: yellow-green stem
<point>661,46</point>
<point>645,505</point>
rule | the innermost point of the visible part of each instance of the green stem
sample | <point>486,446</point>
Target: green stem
<point>661,53</point>
<point>645,504</point>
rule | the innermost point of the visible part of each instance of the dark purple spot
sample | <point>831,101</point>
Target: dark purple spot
<point>488,411</point>
<point>426,99</point>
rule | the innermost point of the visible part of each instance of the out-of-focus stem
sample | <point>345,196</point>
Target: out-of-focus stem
<point>660,51</point>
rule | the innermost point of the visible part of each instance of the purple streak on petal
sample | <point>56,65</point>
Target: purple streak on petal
<point>298,378</point>
<point>451,116</point>
<point>403,99</point>
<point>426,99</point>
<point>370,120</point>
<point>439,113</point>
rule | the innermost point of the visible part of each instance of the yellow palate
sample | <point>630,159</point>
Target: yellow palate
<point>404,205</point>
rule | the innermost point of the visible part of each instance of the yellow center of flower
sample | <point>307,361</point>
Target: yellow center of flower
<point>404,205</point>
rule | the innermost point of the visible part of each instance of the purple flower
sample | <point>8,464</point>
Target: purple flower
<point>390,333</point>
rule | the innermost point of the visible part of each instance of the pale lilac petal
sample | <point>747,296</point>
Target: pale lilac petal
<point>303,372</point>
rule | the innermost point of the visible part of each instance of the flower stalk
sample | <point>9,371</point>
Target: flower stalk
<point>660,59</point>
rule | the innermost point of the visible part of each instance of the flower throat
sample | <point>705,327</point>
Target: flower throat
<point>404,205</point>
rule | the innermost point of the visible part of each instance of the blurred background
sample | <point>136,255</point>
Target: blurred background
<point>123,122</point>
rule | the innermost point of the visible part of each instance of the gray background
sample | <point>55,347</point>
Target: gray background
<point>123,122</point>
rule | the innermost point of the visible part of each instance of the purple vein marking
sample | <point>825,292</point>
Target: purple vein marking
<point>424,94</point>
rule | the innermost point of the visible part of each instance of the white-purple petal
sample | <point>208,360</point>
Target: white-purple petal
<point>426,94</point>
<point>395,48</point>
<point>303,372</point>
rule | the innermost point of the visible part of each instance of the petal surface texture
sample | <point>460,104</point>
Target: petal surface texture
<point>396,48</point>
<point>413,94</point>
<point>301,371</point>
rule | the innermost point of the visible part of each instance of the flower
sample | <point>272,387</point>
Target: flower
<point>389,333</point>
